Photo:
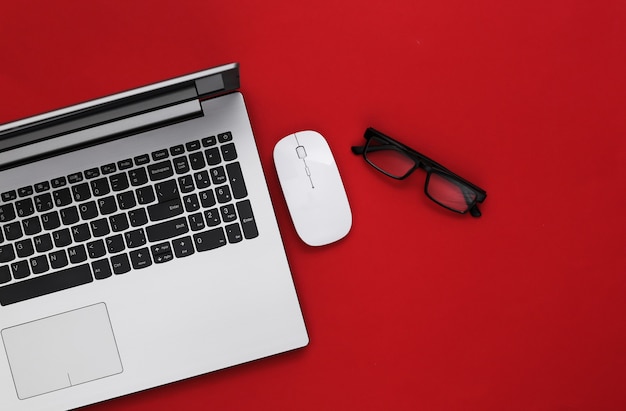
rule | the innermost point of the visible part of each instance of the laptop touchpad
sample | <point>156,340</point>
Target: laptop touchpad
<point>61,351</point>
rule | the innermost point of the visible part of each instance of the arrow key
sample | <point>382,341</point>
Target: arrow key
<point>183,247</point>
<point>140,258</point>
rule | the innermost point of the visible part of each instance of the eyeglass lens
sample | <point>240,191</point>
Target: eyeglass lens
<point>449,192</point>
<point>440,187</point>
<point>388,158</point>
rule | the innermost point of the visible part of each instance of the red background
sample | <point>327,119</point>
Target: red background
<point>417,308</point>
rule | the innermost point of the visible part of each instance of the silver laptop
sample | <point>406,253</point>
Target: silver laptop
<point>138,245</point>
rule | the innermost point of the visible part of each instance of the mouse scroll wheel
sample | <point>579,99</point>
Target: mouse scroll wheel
<point>301,152</point>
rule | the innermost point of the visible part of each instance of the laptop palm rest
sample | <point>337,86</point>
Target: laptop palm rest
<point>61,351</point>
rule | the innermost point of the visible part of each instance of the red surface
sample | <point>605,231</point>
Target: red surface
<point>418,308</point>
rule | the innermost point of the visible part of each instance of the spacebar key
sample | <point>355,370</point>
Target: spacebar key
<point>46,284</point>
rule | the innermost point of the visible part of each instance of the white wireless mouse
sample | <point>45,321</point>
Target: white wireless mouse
<point>313,189</point>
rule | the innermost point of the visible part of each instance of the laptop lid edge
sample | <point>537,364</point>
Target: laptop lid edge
<point>199,85</point>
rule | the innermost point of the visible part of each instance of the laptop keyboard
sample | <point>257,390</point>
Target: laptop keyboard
<point>109,220</point>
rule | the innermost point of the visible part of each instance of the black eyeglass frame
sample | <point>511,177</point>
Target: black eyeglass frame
<point>421,161</point>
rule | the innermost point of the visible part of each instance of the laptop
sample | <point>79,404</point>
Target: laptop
<point>138,246</point>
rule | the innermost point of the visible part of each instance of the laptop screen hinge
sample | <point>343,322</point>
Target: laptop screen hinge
<point>100,133</point>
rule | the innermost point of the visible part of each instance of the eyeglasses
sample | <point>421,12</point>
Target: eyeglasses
<point>398,161</point>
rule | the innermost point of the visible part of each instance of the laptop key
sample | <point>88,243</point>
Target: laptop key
<point>25,191</point>
<point>13,231</point>
<point>9,195</point>
<point>161,170</point>
<point>115,243</point>
<point>186,184</point>
<point>223,194</point>
<point>177,149</point>
<point>162,253</point>
<point>75,177</point>
<point>46,284</point>
<point>183,247</point>
<point>43,202</point>
<point>125,164</point>
<point>228,213</point>
<point>191,202</point>
<point>24,207</point>
<point>142,159</point>
<point>135,238</point>
<point>81,192</point>
<point>20,269</point>
<point>193,145</point>
<point>181,165</point>
<point>43,243</point>
<point>50,220</point>
<point>62,197</point>
<point>77,254</point>
<point>228,152</point>
<point>207,198</point>
<point>81,232</point>
<point>92,173</point>
<point>69,215</point>
<point>119,182</point>
<point>58,259</point>
<point>100,187</point>
<point>212,156</point>
<point>39,264</point>
<point>7,212</point>
<point>108,168</point>
<point>162,211</point>
<point>218,175</point>
<point>32,226</point>
<point>7,253</point>
<point>126,200</point>
<point>43,186</point>
<point>235,177</point>
<point>120,264</point>
<point>137,217</point>
<point>209,240</point>
<point>140,258</point>
<point>196,222</point>
<point>107,205</point>
<point>5,274</point>
<point>145,195</point>
<point>138,176</point>
<point>119,222</point>
<point>197,160</point>
<point>101,269</point>
<point>209,141</point>
<point>248,223</point>
<point>99,227</point>
<point>167,229</point>
<point>202,179</point>
<point>212,217</point>
<point>233,232</point>
<point>62,237</point>
<point>58,182</point>
<point>166,190</point>
<point>88,210</point>
<point>96,249</point>
<point>24,248</point>
<point>225,137</point>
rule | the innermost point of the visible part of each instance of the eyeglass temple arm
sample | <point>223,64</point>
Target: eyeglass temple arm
<point>473,210</point>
